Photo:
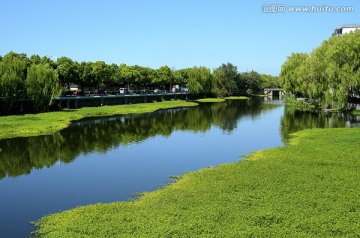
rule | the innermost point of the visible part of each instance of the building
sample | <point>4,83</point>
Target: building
<point>344,29</point>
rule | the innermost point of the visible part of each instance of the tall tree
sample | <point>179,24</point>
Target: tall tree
<point>86,75</point>
<point>68,71</point>
<point>13,69</point>
<point>249,83</point>
<point>35,59</point>
<point>329,75</point>
<point>200,80</point>
<point>290,74</point>
<point>226,76</point>
<point>42,85</point>
<point>102,73</point>
<point>164,76</point>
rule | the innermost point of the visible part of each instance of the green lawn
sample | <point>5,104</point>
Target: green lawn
<point>308,188</point>
<point>221,99</point>
<point>356,113</point>
<point>50,122</point>
<point>236,98</point>
<point>211,100</point>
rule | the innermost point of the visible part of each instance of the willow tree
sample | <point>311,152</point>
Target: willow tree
<point>330,74</point>
<point>343,68</point>
<point>13,68</point>
<point>200,80</point>
<point>42,85</point>
<point>290,75</point>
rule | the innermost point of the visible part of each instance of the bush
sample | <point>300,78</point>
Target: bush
<point>301,104</point>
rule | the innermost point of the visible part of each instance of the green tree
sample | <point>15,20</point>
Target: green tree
<point>86,75</point>
<point>13,69</point>
<point>330,75</point>
<point>181,76</point>
<point>226,77</point>
<point>126,75</point>
<point>164,76</point>
<point>102,73</point>
<point>35,59</point>
<point>249,83</point>
<point>47,60</point>
<point>290,74</point>
<point>199,80</point>
<point>42,85</point>
<point>270,81</point>
<point>68,71</point>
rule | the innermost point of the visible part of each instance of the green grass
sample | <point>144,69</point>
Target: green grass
<point>211,100</point>
<point>50,122</point>
<point>308,188</point>
<point>236,98</point>
<point>356,113</point>
<point>221,99</point>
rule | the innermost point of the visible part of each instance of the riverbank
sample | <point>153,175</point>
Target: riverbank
<point>50,122</point>
<point>355,113</point>
<point>308,188</point>
<point>222,99</point>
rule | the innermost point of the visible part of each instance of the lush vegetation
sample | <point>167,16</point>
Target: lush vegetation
<point>50,122</point>
<point>329,75</point>
<point>295,120</point>
<point>309,188</point>
<point>299,103</point>
<point>41,79</point>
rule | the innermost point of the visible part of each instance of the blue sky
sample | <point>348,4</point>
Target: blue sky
<point>180,34</point>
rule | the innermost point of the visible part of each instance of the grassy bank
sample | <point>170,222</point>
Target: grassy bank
<point>356,113</point>
<point>236,98</point>
<point>211,100</point>
<point>309,188</point>
<point>222,99</point>
<point>50,122</point>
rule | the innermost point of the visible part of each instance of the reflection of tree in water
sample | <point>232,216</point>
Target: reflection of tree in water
<point>20,155</point>
<point>294,120</point>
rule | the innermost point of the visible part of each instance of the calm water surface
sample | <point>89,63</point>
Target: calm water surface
<point>110,159</point>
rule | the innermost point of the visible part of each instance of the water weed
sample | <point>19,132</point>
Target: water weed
<point>305,189</point>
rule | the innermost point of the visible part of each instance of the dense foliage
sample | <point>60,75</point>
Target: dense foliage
<point>329,75</point>
<point>281,192</point>
<point>41,79</point>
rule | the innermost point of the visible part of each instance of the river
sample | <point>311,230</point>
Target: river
<point>102,160</point>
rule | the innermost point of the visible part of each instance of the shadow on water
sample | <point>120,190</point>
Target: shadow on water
<point>21,155</point>
<point>294,120</point>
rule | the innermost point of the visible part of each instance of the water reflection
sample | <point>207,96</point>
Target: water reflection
<point>19,156</point>
<point>294,120</point>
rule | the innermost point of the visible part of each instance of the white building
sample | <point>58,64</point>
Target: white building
<point>344,29</point>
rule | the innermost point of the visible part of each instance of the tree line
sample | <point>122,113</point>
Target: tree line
<point>329,76</point>
<point>41,79</point>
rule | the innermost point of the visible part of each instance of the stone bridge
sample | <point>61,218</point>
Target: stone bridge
<point>274,92</point>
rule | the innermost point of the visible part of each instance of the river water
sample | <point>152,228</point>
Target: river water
<point>102,160</point>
